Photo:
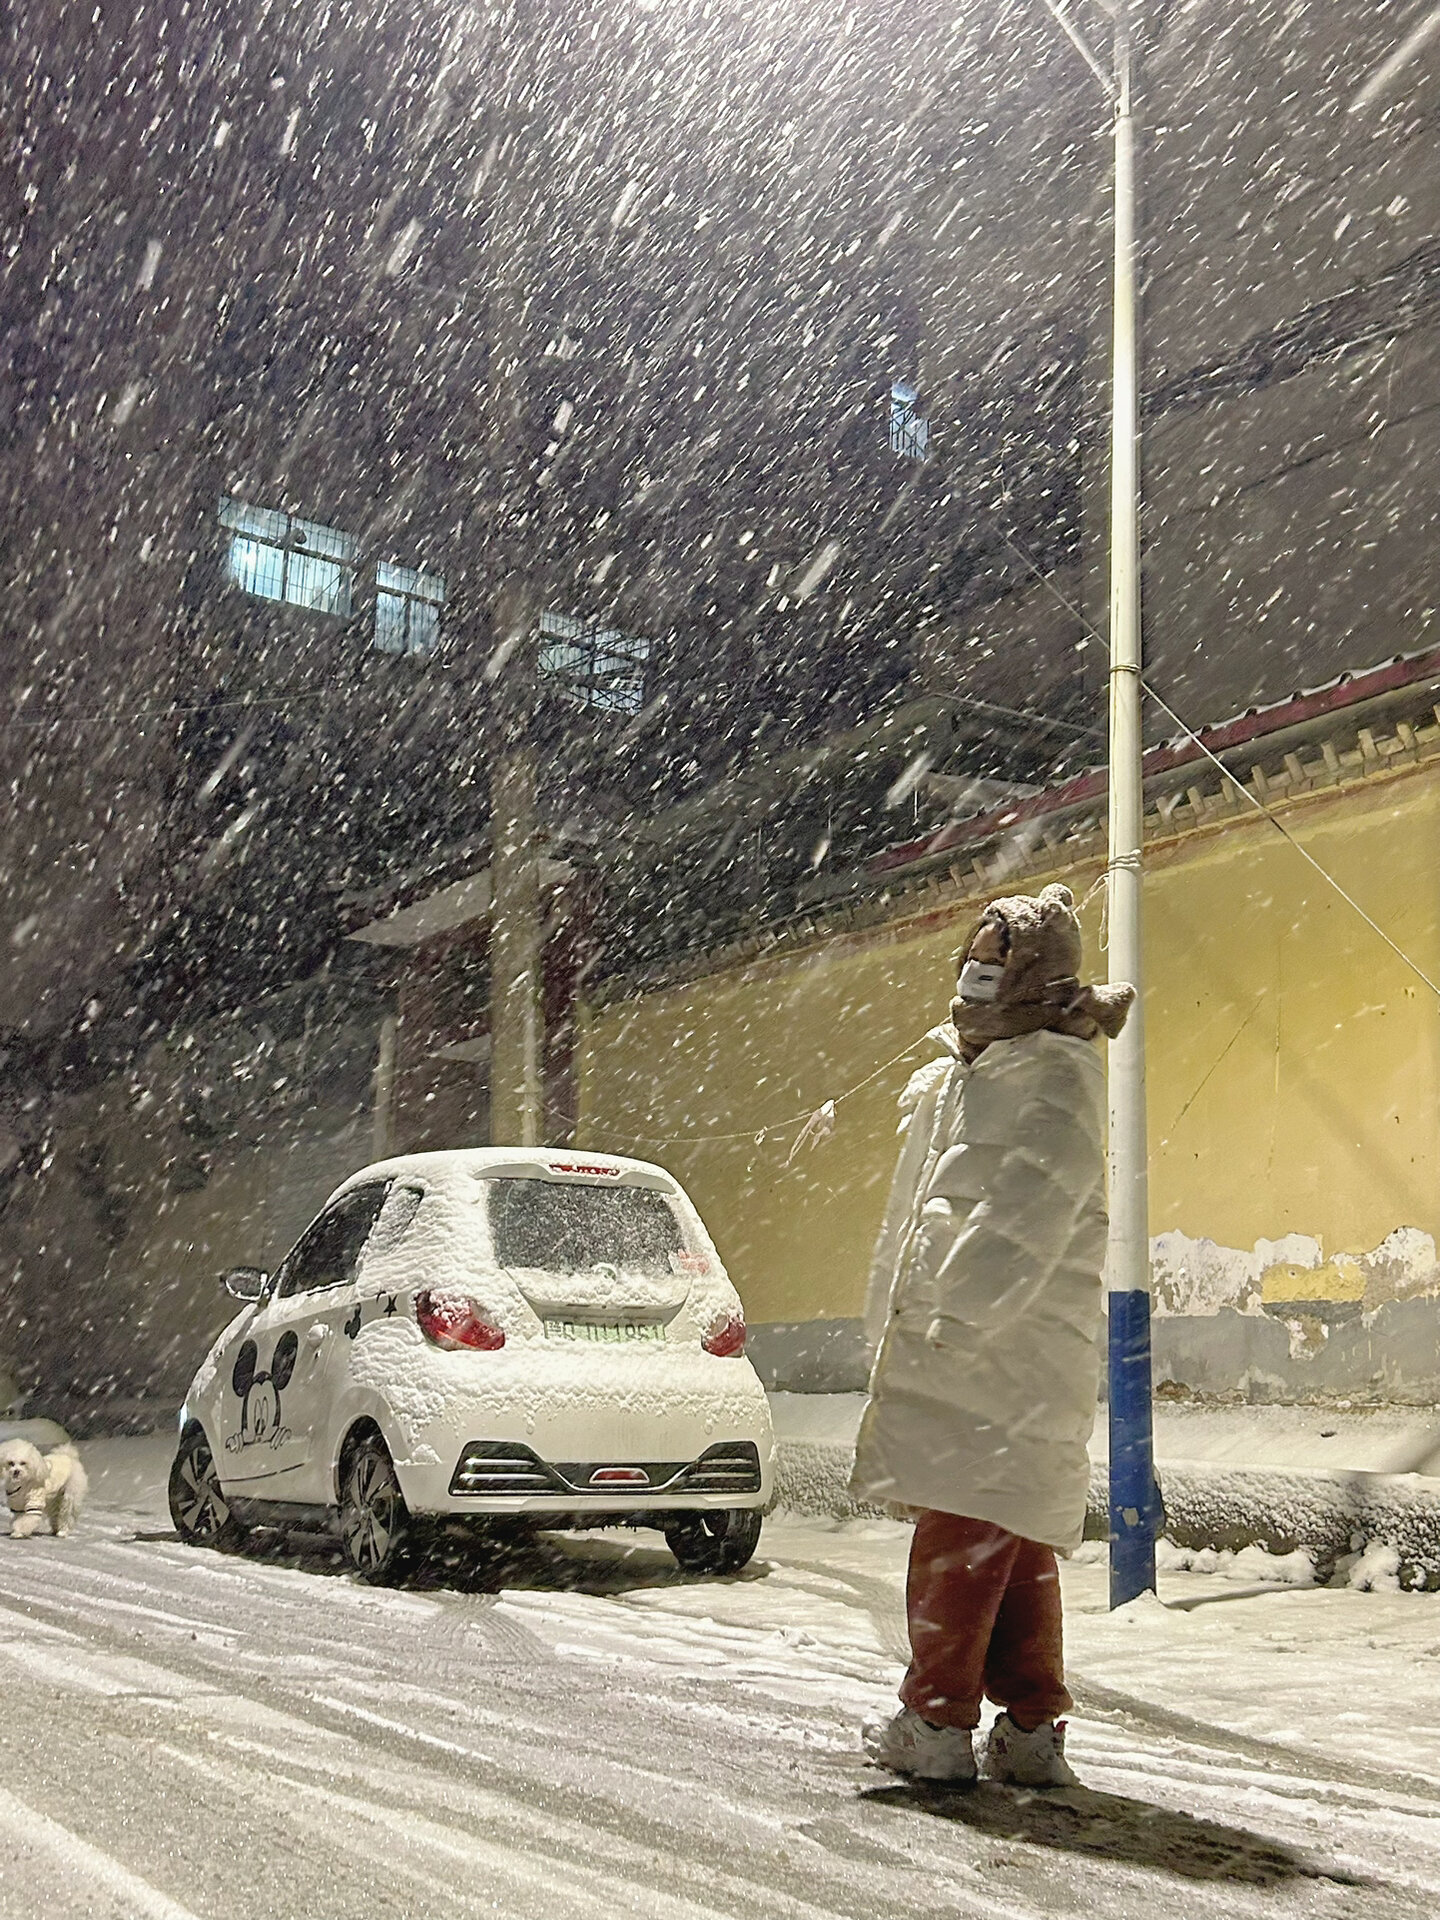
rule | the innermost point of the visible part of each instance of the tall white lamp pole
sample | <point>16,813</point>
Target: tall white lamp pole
<point>1134,1515</point>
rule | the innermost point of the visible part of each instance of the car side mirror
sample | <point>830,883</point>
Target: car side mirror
<point>246,1283</point>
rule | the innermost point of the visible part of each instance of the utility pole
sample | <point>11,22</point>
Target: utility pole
<point>1134,1507</point>
<point>382,1114</point>
<point>517,948</point>
<point>517,1114</point>
<point>1132,1452</point>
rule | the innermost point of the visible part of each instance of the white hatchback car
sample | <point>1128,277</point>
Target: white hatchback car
<point>501,1331</point>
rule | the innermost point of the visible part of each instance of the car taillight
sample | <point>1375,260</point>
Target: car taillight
<point>726,1337</point>
<point>451,1320</point>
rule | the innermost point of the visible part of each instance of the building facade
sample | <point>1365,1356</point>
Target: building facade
<point>339,355</point>
<point>1294,1055</point>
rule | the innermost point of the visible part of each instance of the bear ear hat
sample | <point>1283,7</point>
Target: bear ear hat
<point>1109,1006</point>
<point>1057,895</point>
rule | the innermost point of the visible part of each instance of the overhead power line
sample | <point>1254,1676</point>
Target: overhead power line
<point>1251,798</point>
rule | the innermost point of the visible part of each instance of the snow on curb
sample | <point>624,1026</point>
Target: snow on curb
<point>1329,1514</point>
<point>1338,1519</point>
<point>813,1476</point>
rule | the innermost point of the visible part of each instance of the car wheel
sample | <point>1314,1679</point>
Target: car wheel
<point>377,1531</point>
<point>198,1508</point>
<point>714,1542</point>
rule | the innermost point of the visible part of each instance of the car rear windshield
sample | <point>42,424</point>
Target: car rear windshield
<point>565,1229</point>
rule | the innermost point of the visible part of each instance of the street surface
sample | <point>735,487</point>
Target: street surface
<point>187,1736</point>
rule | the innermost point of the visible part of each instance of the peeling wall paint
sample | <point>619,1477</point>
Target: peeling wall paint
<point>1200,1277</point>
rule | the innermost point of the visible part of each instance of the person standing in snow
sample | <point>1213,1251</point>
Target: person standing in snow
<point>984,1386</point>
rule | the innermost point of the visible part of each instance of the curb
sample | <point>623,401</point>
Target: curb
<point>813,1477</point>
<point>1323,1511</point>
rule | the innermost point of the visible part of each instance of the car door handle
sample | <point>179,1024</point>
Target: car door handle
<point>316,1335</point>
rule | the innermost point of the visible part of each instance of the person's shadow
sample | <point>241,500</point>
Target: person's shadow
<point>1112,1827</point>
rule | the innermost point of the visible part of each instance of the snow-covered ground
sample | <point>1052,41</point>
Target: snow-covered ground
<point>185,1734</point>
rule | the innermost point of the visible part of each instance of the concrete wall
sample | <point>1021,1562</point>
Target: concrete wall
<point>1294,1075</point>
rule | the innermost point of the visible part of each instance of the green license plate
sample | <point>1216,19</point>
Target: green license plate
<point>607,1332</point>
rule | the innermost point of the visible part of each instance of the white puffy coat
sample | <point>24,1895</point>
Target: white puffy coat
<point>983,1391</point>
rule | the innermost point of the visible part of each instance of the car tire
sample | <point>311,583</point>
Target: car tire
<point>199,1510</point>
<point>378,1533</point>
<point>720,1542</point>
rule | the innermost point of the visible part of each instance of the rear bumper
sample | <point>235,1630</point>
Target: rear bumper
<point>572,1514</point>
<point>654,1409</point>
<point>499,1477</point>
<point>490,1469</point>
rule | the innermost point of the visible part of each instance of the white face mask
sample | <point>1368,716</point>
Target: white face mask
<point>979,981</point>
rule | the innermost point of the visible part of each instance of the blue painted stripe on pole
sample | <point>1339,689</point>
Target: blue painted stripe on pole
<point>1134,1502</point>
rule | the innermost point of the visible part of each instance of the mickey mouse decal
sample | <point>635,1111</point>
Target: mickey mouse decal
<point>351,1327</point>
<point>259,1393</point>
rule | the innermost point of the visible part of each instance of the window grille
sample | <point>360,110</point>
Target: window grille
<point>909,431</point>
<point>597,667</point>
<point>407,609</point>
<point>278,557</point>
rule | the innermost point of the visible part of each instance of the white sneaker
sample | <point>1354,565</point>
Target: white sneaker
<point>1023,1759</point>
<point>908,1744</point>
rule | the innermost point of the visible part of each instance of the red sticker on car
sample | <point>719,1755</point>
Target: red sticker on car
<point>690,1263</point>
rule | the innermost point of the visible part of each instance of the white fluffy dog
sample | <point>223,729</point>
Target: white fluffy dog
<point>41,1488</point>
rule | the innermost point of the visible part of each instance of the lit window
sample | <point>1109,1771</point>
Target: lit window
<point>909,431</point>
<point>277,557</point>
<point>598,667</point>
<point>407,609</point>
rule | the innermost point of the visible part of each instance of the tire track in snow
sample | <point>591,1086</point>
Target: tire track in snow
<point>880,1600</point>
<point>736,1888</point>
<point>134,1898</point>
<point>90,1668</point>
<point>630,1769</point>
<point>1110,1706</point>
<point>287,1595</point>
<point>399,1839</point>
<point>720,1831</point>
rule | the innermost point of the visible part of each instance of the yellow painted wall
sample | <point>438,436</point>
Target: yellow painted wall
<point>1294,1060</point>
<point>737,1052</point>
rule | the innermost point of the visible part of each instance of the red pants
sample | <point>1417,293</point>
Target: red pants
<point>984,1610</point>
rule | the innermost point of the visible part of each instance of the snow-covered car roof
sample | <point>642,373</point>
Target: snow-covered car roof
<point>456,1167</point>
